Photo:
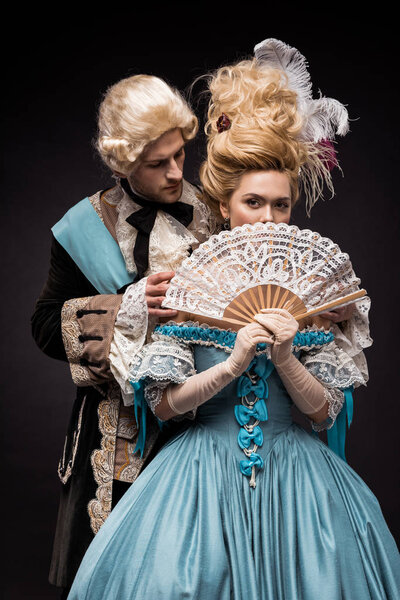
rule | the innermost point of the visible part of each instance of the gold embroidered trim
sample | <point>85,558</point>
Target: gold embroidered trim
<point>127,461</point>
<point>131,471</point>
<point>61,465</point>
<point>95,201</point>
<point>102,459</point>
<point>70,334</point>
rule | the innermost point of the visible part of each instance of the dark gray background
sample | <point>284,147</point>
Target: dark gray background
<point>55,70</point>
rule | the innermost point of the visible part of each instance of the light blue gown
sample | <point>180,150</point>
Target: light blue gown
<point>191,526</point>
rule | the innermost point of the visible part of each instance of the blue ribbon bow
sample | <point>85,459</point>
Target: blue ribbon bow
<point>244,414</point>
<point>246,466</point>
<point>262,366</point>
<point>245,386</point>
<point>245,437</point>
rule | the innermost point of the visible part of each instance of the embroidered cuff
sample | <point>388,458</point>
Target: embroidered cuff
<point>87,325</point>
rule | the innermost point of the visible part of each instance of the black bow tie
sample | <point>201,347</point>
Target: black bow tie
<point>143,220</point>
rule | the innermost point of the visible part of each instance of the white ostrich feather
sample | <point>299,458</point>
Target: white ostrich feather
<point>278,55</point>
<point>323,117</point>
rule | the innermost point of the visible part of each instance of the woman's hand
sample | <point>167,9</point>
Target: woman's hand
<point>245,347</point>
<point>156,287</point>
<point>282,327</point>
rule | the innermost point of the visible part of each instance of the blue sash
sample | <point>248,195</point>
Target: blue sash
<point>91,246</point>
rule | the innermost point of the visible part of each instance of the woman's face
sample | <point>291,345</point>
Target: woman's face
<point>262,197</point>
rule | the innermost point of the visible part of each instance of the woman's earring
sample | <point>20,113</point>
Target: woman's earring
<point>227,223</point>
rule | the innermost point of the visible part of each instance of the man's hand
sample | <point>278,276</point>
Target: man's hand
<point>156,288</point>
<point>339,314</point>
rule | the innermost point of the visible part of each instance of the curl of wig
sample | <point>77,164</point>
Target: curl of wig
<point>264,134</point>
<point>135,112</point>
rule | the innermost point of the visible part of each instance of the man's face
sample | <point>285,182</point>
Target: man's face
<point>158,173</point>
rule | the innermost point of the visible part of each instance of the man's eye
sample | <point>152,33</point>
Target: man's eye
<point>154,165</point>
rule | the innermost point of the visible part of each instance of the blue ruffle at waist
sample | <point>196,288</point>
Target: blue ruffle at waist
<point>221,338</point>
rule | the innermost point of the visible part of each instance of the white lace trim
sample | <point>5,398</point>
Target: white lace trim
<point>353,335</point>
<point>335,399</point>
<point>153,393</point>
<point>163,361</point>
<point>170,241</point>
<point>333,367</point>
<point>130,331</point>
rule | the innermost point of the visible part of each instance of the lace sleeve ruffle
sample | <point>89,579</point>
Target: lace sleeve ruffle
<point>333,367</point>
<point>130,330</point>
<point>159,364</point>
<point>353,336</point>
<point>337,371</point>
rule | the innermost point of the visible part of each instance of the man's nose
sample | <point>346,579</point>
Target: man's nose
<point>174,172</point>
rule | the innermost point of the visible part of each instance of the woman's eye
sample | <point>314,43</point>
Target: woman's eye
<point>253,202</point>
<point>282,205</point>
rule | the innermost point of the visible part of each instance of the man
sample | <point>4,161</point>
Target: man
<point>112,257</point>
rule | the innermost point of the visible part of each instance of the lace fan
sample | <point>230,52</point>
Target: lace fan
<point>232,276</point>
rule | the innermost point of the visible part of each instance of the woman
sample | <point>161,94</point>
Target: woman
<point>211,517</point>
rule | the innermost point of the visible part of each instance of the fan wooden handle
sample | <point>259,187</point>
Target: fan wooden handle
<point>333,304</point>
<point>237,324</point>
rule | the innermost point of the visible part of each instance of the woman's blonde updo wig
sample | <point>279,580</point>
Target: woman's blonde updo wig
<point>135,112</point>
<point>262,133</point>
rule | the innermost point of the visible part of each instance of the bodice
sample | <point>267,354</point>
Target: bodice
<point>219,414</point>
<point>249,414</point>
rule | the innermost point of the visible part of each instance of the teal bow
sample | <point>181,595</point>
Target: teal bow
<point>262,366</point>
<point>246,466</point>
<point>245,386</point>
<point>245,437</point>
<point>244,414</point>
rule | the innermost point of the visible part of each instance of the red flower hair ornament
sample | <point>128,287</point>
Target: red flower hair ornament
<point>223,123</point>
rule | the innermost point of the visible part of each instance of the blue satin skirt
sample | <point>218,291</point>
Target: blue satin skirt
<point>192,527</point>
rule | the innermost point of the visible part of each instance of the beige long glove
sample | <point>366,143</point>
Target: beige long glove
<point>306,392</point>
<point>181,398</point>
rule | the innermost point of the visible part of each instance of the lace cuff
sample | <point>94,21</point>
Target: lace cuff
<point>335,399</point>
<point>153,393</point>
<point>159,364</point>
<point>163,361</point>
<point>130,332</point>
<point>333,367</point>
